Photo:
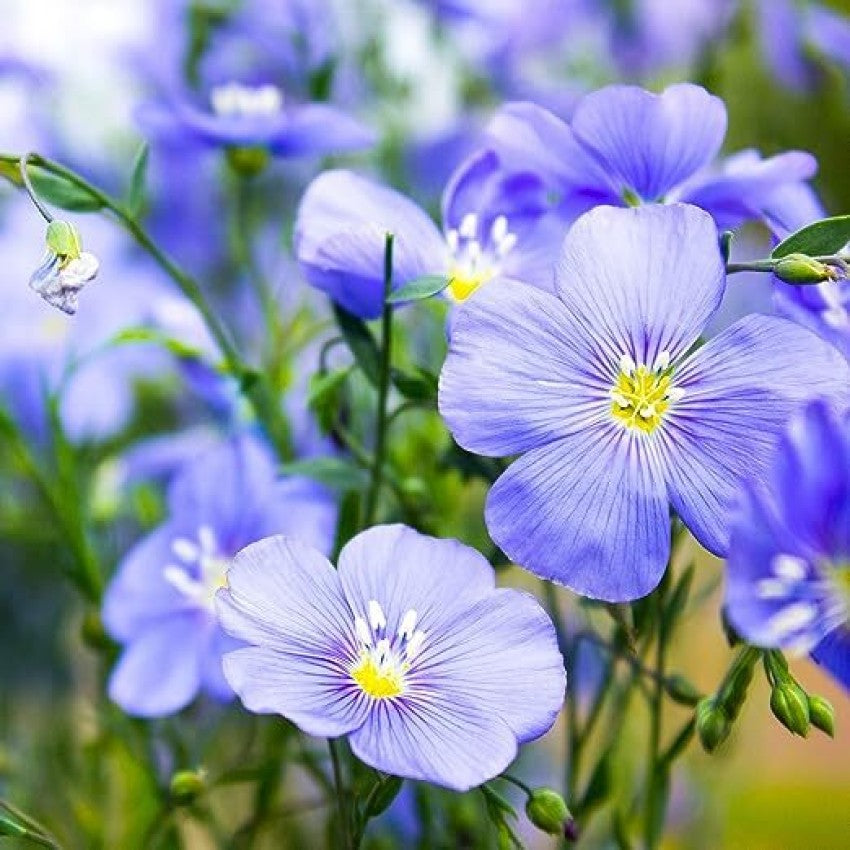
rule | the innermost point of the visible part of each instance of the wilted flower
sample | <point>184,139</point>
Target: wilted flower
<point>495,224</point>
<point>408,648</point>
<point>788,581</point>
<point>615,419</point>
<point>160,603</point>
<point>65,269</point>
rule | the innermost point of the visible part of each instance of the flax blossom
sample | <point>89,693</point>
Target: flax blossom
<point>408,648</point>
<point>496,224</point>
<point>788,583</point>
<point>160,603</point>
<point>614,419</point>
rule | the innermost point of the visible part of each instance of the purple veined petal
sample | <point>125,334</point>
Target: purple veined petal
<point>502,654</point>
<point>315,129</point>
<point>340,234</point>
<point>530,138</point>
<point>589,512</point>
<point>833,654</point>
<point>403,570</point>
<point>649,143</point>
<point>441,740</point>
<point>535,256</point>
<point>739,391</point>
<point>285,599</point>
<point>641,281</point>
<point>516,375</point>
<point>159,671</point>
<point>747,186</point>
<point>139,593</point>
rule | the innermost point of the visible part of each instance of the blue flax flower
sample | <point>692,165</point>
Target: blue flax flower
<point>788,582</point>
<point>614,418</point>
<point>495,224</point>
<point>160,603</point>
<point>408,648</point>
<point>624,145</point>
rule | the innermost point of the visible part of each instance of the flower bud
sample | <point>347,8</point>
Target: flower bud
<point>822,714</point>
<point>802,269</point>
<point>547,810</point>
<point>681,690</point>
<point>187,785</point>
<point>64,240</point>
<point>790,705</point>
<point>713,725</point>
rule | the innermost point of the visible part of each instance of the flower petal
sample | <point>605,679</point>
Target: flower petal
<point>740,389</point>
<point>502,654</point>
<point>402,569</point>
<point>833,654</point>
<point>588,512</point>
<point>641,281</point>
<point>159,672</point>
<point>340,233</point>
<point>445,741</point>
<point>516,376</point>
<point>315,129</point>
<point>651,142</point>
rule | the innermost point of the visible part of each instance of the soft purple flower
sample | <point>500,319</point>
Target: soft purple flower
<point>160,602</point>
<point>408,648</point>
<point>788,580</point>
<point>625,145</point>
<point>614,419</point>
<point>496,224</point>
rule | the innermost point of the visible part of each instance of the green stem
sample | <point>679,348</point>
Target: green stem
<point>653,786</point>
<point>341,796</point>
<point>255,387</point>
<point>383,390</point>
<point>517,782</point>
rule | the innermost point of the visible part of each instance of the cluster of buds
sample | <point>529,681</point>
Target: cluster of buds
<point>65,269</point>
<point>792,706</point>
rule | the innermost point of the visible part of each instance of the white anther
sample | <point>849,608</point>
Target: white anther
<point>181,581</point>
<point>506,245</point>
<point>361,629</point>
<point>207,539</point>
<point>408,624</point>
<point>790,619</point>
<point>771,588</point>
<point>474,251</point>
<point>789,567</point>
<point>662,361</point>
<point>647,411</point>
<point>620,399</point>
<point>382,651</point>
<point>675,394</point>
<point>469,226</point>
<point>415,644</point>
<point>627,364</point>
<point>376,616</point>
<point>235,100</point>
<point>453,241</point>
<point>499,230</point>
<point>185,550</point>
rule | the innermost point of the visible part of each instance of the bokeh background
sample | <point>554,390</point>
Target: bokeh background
<point>427,75</point>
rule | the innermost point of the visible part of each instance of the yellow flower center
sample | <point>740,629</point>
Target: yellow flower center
<point>476,254</point>
<point>378,681</point>
<point>462,284</point>
<point>641,395</point>
<point>384,657</point>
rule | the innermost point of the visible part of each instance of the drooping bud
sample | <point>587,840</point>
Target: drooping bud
<point>822,714</point>
<point>713,726</point>
<point>790,705</point>
<point>801,269</point>
<point>65,268</point>
<point>187,785</point>
<point>548,811</point>
<point>681,689</point>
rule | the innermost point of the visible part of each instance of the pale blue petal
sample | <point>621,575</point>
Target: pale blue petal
<point>648,142</point>
<point>589,512</point>
<point>740,390</point>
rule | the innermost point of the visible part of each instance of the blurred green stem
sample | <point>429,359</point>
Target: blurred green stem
<point>341,796</point>
<point>383,390</point>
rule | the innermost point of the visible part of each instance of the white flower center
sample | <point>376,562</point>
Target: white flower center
<point>201,568</point>
<point>383,660</point>
<point>476,257</point>
<point>234,100</point>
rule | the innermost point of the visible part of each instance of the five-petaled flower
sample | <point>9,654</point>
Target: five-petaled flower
<point>408,648</point>
<point>788,581</point>
<point>614,416</point>
<point>160,605</point>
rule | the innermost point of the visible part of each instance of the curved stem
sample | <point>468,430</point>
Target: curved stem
<point>46,214</point>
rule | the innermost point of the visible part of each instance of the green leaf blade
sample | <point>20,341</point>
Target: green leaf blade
<point>819,239</point>
<point>419,289</point>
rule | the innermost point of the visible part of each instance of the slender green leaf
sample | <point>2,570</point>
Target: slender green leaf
<point>820,239</point>
<point>362,344</point>
<point>421,386</point>
<point>419,289</point>
<point>62,193</point>
<point>335,473</point>
<point>381,797</point>
<point>325,394</point>
<point>138,179</point>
